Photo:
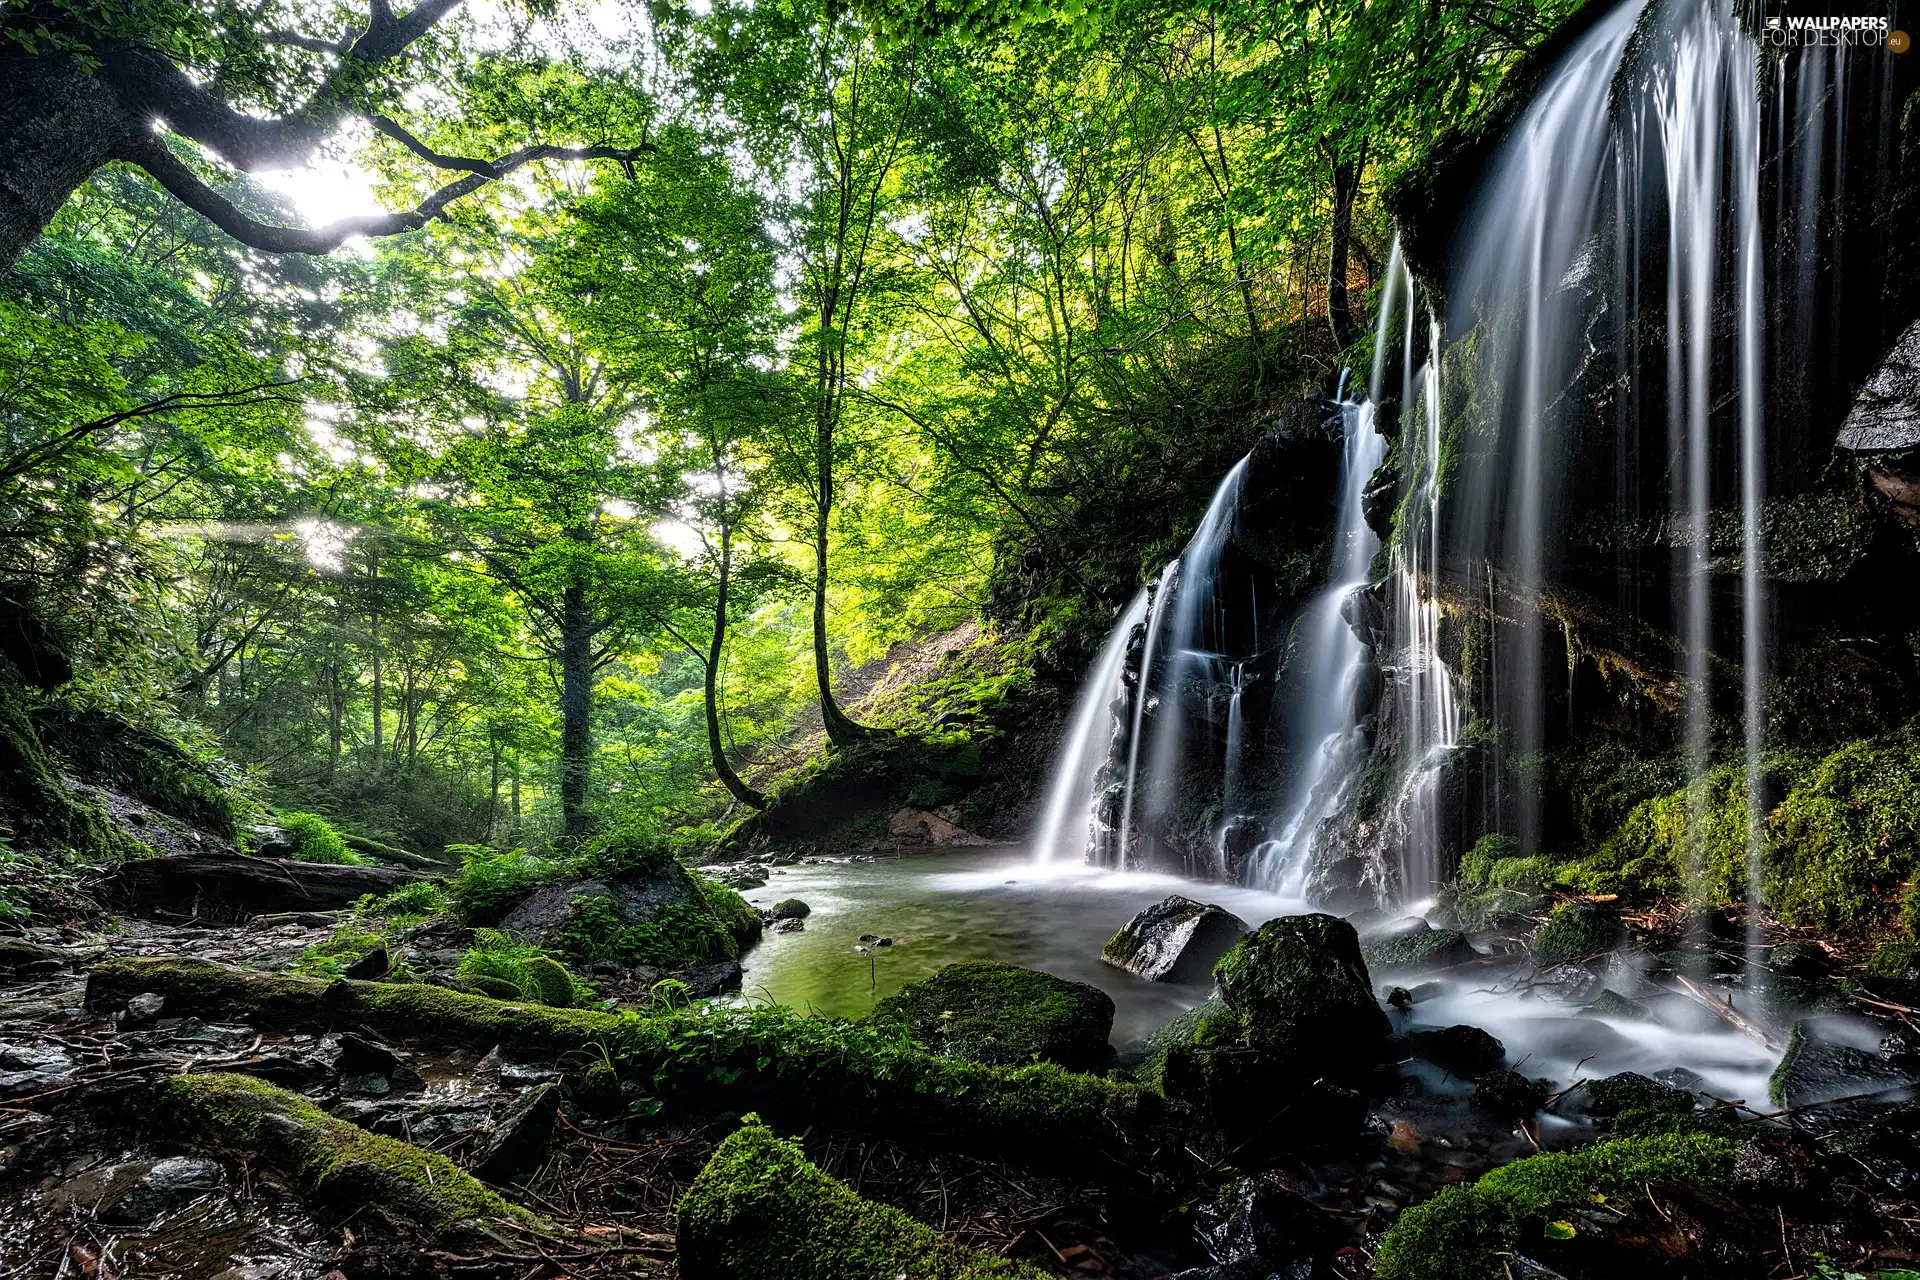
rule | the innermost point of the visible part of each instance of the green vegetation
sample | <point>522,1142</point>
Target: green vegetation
<point>337,1163</point>
<point>315,840</point>
<point>1576,932</point>
<point>536,975</point>
<point>761,1211</point>
<point>1461,1233</point>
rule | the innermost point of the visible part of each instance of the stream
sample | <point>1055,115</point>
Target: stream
<point>997,904</point>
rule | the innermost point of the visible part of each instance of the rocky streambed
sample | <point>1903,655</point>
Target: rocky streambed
<point>1602,1092</point>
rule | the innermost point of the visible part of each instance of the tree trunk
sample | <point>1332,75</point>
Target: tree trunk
<point>734,782</point>
<point>576,707</point>
<point>841,729</point>
<point>379,691</point>
<point>57,125</point>
<point>1346,186</point>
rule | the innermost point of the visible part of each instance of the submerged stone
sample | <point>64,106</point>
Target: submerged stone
<point>1464,1050</point>
<point>1174,940</point>
<point>1001,1014</point>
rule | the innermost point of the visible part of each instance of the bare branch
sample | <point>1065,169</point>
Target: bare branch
<point>151,154</point>
<point>40,454</point>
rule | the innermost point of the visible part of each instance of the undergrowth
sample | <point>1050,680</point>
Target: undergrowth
<point>315,840</point>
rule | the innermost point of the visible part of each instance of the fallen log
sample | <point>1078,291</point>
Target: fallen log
<point>1733,1017</point>
<point>234,886</point>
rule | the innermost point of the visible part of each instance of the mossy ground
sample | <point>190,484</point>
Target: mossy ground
<point>1462,1233</point>
<point>335,1162</point>
<point>793,1067</point>
<point>761,1211</point>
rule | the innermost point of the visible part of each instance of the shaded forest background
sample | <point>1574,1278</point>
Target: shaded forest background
<point>603,493</point>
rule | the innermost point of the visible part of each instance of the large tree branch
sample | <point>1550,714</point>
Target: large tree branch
<point>39,455</point>
<point>151,154</point>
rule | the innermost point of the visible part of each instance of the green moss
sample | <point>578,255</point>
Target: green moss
<point>1848,835</point>
<point>1476,864</point>
<point>847,1073</point>
<point>761,1211</point>
<point>990,1012</point>
<point>155,769</point>
<point>1577,931</point>
<point>531,972</point>
<point>1896,960</point>
<point>1417,949</point>
<point>717,925</point>
<point>331,1160</point>
<point>492,881</point>
<point>1462,1232</point>
<point>1301,986</point>
<point>46,816</point>
<point>315,840</point>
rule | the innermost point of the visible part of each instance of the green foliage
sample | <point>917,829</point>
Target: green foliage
<point>331,956</point>
<point>1848,835</point>
<point>761,1209</point>
<point>315,840</point>
<point>1461,1233</point>
<point>1897,960</point>
<point>535,974</point>
<point>407,903</point>
<point>492,881</point>
<point>1577,931</point>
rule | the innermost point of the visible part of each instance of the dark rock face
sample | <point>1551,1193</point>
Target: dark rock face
<point>790,909</point>
<point>1301,985</point>
<point>521,1137</point>
<point>1174,940</point>
<point>1886,414</point>
<point>1834,1057</point>
<point>1005,1015</point>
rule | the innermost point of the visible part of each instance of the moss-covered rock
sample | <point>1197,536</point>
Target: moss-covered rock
<point>104,749</point>
<point>47,816</point>
<point>1462,1233</point>
<point>1577,931</point>
<point>984,1011</point>
<point>334,1163</point>
<point>761,1211</point>
<point>1848,836</point>
<point>1300,984</point>
<point>1415,944</point>
<point>1174,940</point>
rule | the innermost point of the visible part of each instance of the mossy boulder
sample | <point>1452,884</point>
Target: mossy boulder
<point>334,1163</point>
<point>1174,940</point>
<point>1300,985</point>
<point>1576,932</point>
<point>1464,1232</point>
<point>989,1012</point>
<point>761,1210</point>
<point>660,915</point>
<point>109,751</point>
<point>1414,944</point>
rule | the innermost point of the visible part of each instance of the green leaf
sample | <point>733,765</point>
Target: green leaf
<point>1559,1231</point>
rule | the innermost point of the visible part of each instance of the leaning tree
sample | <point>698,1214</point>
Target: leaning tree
<point>163,84</point>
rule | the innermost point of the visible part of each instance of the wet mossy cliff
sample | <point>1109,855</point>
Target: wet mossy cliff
<point>1601,791</point>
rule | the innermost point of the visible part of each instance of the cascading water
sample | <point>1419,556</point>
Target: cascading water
<point>1066,824</point>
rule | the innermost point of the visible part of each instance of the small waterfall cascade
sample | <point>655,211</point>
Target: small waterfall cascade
<point>1066,823</point>
<point>1329,673</point>
<point>1427,709</point>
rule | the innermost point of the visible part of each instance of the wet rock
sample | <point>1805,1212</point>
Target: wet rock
<point>788,926</point>
<point>1777,1169</point>
<point>1888,1149</point>
<point>715,978</point>
<point>521,1138</point>
<point>790,909</point>
<point>985,1011</point>
<point>290,1071</point>
<point>1412,943</point>
<point>1174,940</point>
<point>1301,986</point>
<point>29,1069</point>
<point>1258,1228</point>
<point>143,1008</point>
<point>136,1192</point>
<point>1573,983</point>
<point>1510,1095</point>
<point>374,964</point>
<point>1833,1057</point>
<point>1886,414</point>
<point>1238,839</point>
<point>1463,1050</point>
<point>1611,1004</point>
<point>1630,1099</point>
<point>1578,931</point>
<point>20,959</point>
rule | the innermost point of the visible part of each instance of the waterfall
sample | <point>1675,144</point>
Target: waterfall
<point>1066,824</point>
<point>1527,273</point>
